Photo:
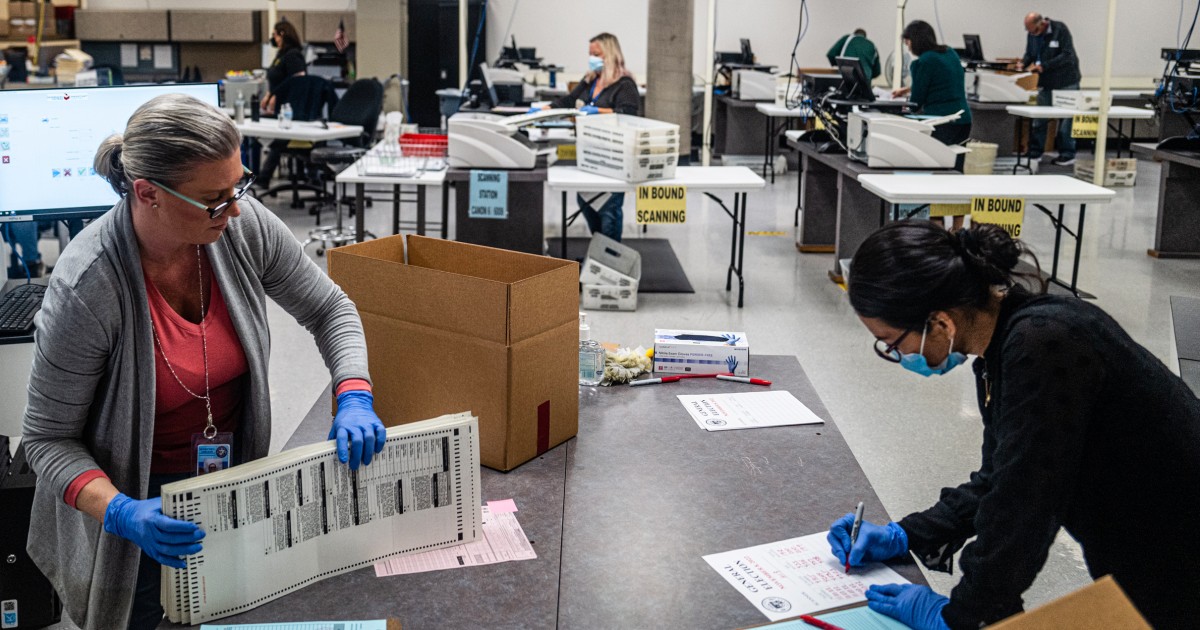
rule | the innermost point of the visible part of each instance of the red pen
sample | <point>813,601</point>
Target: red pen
<point>823,625</point>
<point>743,379</point>
<point>670,379</point>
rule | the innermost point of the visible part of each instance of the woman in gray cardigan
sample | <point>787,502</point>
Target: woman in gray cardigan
<point>163,299</point>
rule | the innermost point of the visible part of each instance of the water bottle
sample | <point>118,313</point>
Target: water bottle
<point>591,355</point>
<point>255,108</point>
<point>239,110</point>
<point>285,116</point>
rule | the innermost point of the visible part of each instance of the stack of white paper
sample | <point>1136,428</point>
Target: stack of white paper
<point>286,521</point>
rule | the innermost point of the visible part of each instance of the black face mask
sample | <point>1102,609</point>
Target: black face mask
<point>274,44</point>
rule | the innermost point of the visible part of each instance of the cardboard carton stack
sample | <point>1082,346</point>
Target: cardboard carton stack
<point>610,275</point>
<point>628,148</point>
<point>1118,171</point>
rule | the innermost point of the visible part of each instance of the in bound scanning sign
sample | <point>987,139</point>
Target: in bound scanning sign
<point>1085,126</point>
<point>489,195</point>
<point>1006,212</point>
<point>661,204</point>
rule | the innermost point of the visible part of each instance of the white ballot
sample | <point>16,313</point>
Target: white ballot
<point>278,524</point>
<point>798,576</point>
<point>503,540</point>
<point>722,412</point>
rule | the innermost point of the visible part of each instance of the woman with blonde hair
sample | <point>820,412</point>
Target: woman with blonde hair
<point>607,88</point>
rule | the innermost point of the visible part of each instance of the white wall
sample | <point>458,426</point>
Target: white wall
<point>560,28</point>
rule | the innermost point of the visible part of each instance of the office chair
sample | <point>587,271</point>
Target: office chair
<point>308,96</point>
<point>361,105</point>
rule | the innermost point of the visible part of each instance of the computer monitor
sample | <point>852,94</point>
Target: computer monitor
<point>747,53</point>
<point>48,139</point>
<point>974,48</point>
<point>489,88</point>
<point>855,86</point>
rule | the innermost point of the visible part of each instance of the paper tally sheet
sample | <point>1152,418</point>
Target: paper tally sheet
<point>722,412</point>
<point>798,576</point>
<point>503,540</point>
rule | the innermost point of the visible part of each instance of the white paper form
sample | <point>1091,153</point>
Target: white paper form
<point>376,624</point>
<point>722,412</point>
<point>129,56</point>
<point>798,576</point>
<point>503,540</point>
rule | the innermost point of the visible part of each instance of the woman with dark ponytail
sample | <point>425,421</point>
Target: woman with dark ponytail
<point>1083,429</point>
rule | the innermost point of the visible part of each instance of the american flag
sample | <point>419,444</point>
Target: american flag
<point>339,36</point>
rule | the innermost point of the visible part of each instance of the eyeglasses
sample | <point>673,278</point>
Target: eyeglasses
<point>243,187</point>
<point>889,352</point>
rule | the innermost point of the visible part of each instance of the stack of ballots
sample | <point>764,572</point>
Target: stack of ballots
<point>610,275</point>
<point>628,148</point>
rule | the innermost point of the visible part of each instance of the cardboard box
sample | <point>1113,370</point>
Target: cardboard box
<point>701,352</point>
<point>607,297</point>
<point>457,327</point>
<point>1117,171</point>
<point>21,10</point>
<point>1101,604</point>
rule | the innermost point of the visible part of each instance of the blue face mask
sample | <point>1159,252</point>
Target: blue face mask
<point>595,64</point>
<point>918,364</point>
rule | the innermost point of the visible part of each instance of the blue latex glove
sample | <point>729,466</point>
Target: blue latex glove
<point>143,523</point>
<point>360,433</point>
<point>915,606</point>
<point>534,110</point>
<point>875,543</point>
<point>589,110</point>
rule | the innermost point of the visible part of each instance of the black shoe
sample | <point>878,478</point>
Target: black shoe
<point>1063,161</point>
<point>36,269</point>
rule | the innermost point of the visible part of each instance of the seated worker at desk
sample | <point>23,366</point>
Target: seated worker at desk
<point>608,87</point>
<point>152,340</point>
<point>1083,429</point>
<point>288,62</point>
<point>856,45</point>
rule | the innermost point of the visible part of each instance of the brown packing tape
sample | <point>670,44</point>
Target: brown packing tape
<point>393,624</point>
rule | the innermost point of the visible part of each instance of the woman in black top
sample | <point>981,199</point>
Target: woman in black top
<point>606,88</point>
<point>1083,429</point>
<point>289,62</point>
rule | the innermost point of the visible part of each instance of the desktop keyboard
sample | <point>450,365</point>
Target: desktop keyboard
<point>17,308</point>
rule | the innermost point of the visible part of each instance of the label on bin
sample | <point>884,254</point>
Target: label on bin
<point>1084,126</point>
<point>566,152</point>
<point>661,204</point>
<point>1006,212</point>
<point>489,195</point>
<point>949,209</point>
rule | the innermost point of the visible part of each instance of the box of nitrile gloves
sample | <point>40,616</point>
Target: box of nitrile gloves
<point>701,352</point>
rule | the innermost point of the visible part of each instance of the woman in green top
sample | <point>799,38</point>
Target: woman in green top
<point>937,82</point>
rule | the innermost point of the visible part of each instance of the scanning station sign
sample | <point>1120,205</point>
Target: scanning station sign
<point>661,204</point>
<point>1006,212</point>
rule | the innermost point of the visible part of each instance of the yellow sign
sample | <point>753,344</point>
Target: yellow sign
<point>1006,212</point>
<point>1084,126</point>
<point>949,209</point>
<point>767,233</point>
<point>566,152</point>
<point>661,204</point>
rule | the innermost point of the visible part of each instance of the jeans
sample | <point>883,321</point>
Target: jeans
<point>1037,135</point>
<point>147,610</point>
<point>608,220</point>
<point>25,234</point>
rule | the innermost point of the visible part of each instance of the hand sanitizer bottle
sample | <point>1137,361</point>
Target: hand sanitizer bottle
<point>591,355</point>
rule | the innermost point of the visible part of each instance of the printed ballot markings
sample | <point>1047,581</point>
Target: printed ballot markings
<point>489,195</point>
<point>661,204</point>
<point>1085,126</point>
<point>1006,212</point>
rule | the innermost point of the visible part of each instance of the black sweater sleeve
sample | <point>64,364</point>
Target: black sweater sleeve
<point>581,89</point>
<point>1048,376</point>
<point>622,97</point>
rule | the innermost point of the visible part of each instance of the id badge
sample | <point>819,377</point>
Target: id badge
<point>211,454</point>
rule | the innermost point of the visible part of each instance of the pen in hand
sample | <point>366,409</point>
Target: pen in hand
<point>858,519</point>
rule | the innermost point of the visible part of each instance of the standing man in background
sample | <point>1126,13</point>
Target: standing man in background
<point>856,45</point>
<point>1050,53</point>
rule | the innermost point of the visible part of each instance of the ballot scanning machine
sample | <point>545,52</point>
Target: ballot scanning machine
<point>996,86</point>
<point>484,140</point>
<point>890,141</point>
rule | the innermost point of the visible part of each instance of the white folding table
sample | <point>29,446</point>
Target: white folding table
<point>1028,113</point>
<point>304,131</point>
<point>1037,191</point>
<point>423,181</point>
<point>709,180</point>
<point>772,111</point>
